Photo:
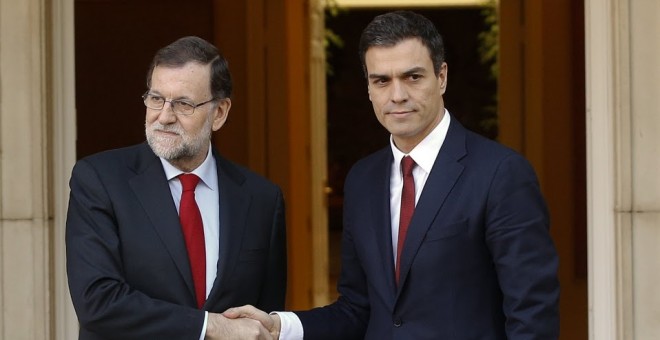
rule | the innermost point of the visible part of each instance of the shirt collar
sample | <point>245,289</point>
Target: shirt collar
<point>205,171</point>
<point>425,153</point>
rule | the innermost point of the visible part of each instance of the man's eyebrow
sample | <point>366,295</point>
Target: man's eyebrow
<point>414,70</point>
<point>179,98</point>
<point>378,76</point>
<point>184,98</point>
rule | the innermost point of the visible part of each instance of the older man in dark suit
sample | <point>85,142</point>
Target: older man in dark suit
<point>164,235</point>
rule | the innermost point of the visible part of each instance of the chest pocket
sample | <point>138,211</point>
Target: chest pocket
<point>438,232</point>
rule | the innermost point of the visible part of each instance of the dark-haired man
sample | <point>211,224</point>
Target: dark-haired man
<point>164,235</point>
<point>445,232</point>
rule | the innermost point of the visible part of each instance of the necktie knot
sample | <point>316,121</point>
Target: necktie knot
<point>189,181</point>
<point>407,165</point>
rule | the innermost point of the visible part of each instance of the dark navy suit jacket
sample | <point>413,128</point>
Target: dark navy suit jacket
<point>478,262</point>
<point>127,263</point>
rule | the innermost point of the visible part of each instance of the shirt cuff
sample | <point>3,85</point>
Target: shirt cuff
<point>206,318</point>
<point>290,326</point>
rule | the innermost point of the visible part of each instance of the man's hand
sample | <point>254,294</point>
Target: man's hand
<point>270,322</point>
<point>220,327</point>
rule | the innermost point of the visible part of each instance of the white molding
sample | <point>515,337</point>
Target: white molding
<point>608,168</point>
<point>600,170</point>
<point>64,155</point>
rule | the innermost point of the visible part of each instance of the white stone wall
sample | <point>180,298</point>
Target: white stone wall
<point>623,161</point>
<point>645,132</point>
<point>25,222</point>
<point>37,150</point>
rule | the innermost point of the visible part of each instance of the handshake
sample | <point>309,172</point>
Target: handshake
<point>246,322</point>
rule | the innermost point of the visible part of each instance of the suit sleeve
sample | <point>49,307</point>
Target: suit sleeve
<point>104,302</point>
<point>347,317</point>
<point>274,289</point>
<point>523,252</point>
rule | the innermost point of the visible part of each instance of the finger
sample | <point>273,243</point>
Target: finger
<point>255,326</point>
<point>253,313</point>
<point>231,313</point>
<point>236,312</point>
<point>239,312</point>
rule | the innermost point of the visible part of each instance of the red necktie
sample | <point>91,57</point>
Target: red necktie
<point>407,207</point>
<point>193,233</point>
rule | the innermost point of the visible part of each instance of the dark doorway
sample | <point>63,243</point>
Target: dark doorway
<point>115,41</point>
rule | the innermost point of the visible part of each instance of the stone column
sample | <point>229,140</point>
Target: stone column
<point>623,117</point>
<point>644,209</point>
<point>63,137</point>
<point>25,201</point>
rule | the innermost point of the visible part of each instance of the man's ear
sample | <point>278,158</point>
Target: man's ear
<point>221,113</point>
<point>442,77</point>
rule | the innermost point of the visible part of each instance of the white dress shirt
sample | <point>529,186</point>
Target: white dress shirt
<point>208,201</point>
<point>424,155</point>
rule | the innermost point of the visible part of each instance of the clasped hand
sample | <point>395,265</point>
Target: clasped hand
<point>246,322</point>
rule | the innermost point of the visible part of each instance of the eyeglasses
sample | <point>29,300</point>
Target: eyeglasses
<point>180,107</point>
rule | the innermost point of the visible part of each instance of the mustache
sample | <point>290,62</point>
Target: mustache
<point>174,128</point>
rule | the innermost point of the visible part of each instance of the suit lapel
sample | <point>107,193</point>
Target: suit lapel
<point>444,174</point>
<point>234,203</point>
<point>379,187</point>
<point>152,190</point>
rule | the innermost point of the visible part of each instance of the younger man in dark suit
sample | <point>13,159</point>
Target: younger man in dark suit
<point>445,232</point>
<point>164,235</point>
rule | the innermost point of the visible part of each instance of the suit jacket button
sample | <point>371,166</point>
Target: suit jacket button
<point>397,322</point>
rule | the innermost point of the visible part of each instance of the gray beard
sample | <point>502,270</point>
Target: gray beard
<point>188,147</point>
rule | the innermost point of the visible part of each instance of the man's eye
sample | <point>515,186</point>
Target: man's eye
<point>183,105</point>
<point>415,76</point>
<point>156,99</point>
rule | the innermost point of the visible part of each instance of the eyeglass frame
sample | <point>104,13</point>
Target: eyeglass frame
<point>172,102</point>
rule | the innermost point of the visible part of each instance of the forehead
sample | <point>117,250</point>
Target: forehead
<point>189,78</point>
<point>407,54</point>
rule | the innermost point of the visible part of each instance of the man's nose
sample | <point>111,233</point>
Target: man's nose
<point>166,114</point>
<point>399,92</point>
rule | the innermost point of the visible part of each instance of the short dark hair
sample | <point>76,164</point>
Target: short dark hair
<point>391,28</point>
<point>196,49</point>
